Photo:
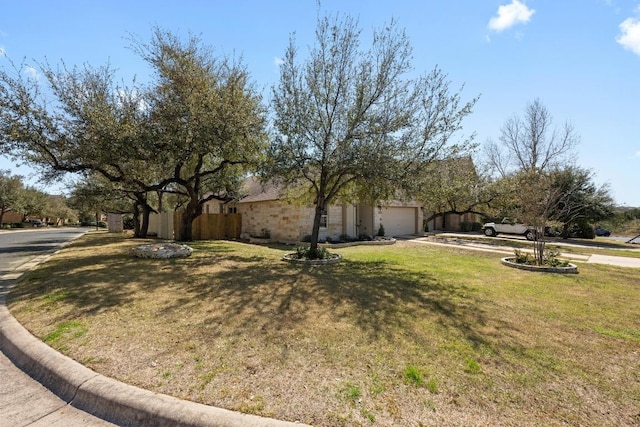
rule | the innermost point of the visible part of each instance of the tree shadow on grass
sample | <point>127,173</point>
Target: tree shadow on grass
<point>258,290</point>
<point>380,298</point>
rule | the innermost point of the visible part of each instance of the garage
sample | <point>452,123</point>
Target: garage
<point>398,221</point>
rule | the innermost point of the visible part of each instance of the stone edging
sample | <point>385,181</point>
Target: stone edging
<point>570,269</point>
<point>293,258</point>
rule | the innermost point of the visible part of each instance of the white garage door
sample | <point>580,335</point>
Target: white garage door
<point>399,221</point>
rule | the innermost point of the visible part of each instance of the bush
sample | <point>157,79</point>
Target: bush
<point>465,226</point>
<point>581,230</point>
<point>523,257</point>
<point>304,252</point>
<point>381,231</point>
<point>476,226</point>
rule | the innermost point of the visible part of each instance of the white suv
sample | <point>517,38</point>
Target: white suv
<point>508,226</point>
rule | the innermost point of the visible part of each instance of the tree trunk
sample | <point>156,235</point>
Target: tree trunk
<point>136,221</point>
<point>191,212</point>
<point>315,231</point>
<point>144,227</point>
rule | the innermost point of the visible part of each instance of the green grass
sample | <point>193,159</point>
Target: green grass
<point>67,330</point>
<point>397,335</point>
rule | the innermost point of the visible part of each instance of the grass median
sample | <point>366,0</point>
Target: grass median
<point>394,335</point>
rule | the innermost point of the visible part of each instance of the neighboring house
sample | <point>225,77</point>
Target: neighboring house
<point>266,212</point>
<point>11,217</point>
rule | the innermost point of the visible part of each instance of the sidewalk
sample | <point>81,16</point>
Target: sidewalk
<point>618,261</point>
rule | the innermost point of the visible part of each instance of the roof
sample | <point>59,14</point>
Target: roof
<point>252,190</point>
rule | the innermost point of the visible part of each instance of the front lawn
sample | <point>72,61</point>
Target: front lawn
<point>404,335</point>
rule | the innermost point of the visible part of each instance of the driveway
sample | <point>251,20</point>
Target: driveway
<point>477,242</point>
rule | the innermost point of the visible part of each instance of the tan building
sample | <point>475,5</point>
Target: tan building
<point>265,212</point>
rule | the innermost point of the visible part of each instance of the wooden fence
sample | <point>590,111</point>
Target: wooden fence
<point>211,226</point>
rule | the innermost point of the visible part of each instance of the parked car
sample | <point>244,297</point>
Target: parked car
<point>37,223</point>
<point>601,231</point>
<point>509,226</point>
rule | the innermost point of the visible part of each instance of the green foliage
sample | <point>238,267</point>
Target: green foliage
<point>413,376</point>
<point>381,231</point>
<point>465,226</point>
<point>305,252</point>
<point>471,366</point>
<point>351,392</point>
<point>348,134</point>
<point>523,257</point>
<point>65,330</point>
<point>582,229</point>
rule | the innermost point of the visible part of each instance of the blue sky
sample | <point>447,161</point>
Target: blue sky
<point>581,58</point>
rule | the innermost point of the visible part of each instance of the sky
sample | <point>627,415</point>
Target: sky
<point>580,58</point>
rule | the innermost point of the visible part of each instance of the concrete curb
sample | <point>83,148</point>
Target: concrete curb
<point>106,398</point>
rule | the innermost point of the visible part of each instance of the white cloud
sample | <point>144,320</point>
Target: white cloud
<point>629,36</point>
<point>510,15</point>
<point>638,154</point>
<point>278,61</point>
<point>31,72</point>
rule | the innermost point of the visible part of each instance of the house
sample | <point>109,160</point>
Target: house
<point>265,212</point>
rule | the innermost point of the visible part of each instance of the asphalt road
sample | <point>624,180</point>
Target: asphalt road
<point>20,246</point>
<point>24,401</point>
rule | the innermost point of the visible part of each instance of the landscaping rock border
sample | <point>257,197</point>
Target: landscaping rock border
<point>293,258</point>
<point>162,251</point>
<point>570,269</point>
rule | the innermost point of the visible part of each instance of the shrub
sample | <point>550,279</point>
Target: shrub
<point>381,231</point>
<point>465,226</point>
<point>304,252</point>
<point>476,226</point>
<point>551,259</point>
<point>523,257</point>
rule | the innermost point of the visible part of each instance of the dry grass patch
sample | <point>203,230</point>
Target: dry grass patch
<point>396,335</point>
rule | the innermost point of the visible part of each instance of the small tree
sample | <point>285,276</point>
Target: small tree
<point>531,148</point>
<point>350,123</point>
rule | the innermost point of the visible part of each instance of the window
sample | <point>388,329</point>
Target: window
<point>324,222</point>
<point>232,209</point>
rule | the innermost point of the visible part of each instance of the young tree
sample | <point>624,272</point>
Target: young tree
<point>531,149</point>
<point>350,121</point>
<point>532,143</point>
